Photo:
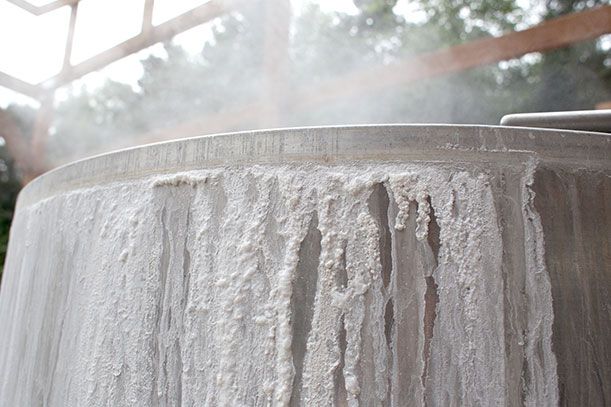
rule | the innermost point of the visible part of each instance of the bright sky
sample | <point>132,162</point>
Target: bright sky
<point>32,47</point>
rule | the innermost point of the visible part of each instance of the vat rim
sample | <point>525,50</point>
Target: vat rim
<point>330,145</point>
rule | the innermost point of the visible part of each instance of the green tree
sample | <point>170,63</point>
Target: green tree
<point>87,119</point>
<point>576,77</point>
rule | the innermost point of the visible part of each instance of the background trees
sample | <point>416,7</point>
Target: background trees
<point>9,186</point>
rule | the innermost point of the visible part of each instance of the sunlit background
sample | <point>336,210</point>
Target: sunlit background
<point>79,78</point>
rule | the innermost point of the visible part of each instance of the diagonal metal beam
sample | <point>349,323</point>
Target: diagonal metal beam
<point>549,35</point>
<point>147,17</point>
<point>18,85</point>
<point>39,10</point>
<point>70,36</point>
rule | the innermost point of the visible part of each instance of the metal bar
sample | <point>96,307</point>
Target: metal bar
<point>147,17</point>
<point>18,85</point>
<point>162,32</point>
<point>70,37</point>
<point>585,120</point>
<point>24,5</point>
<point>39,10</point>
<point>551,34</point>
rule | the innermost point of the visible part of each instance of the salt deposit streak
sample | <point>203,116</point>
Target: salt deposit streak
<point>183,293</point>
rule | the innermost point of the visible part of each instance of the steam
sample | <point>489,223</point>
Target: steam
<point>249,65</point>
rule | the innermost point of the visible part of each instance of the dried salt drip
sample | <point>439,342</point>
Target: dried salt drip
<point>183,295</point>
<point>423,219</point>
<point>406,190</point>
<point>541,313</point>
<point>179,179</point>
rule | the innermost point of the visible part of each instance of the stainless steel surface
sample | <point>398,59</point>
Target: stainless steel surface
<point>389,265</point>
<point>584,120</point>
<point>340,144</point>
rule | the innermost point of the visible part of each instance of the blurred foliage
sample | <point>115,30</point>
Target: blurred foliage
<point>23,118</point>
<point>577,76</point>
<point>9,188</point>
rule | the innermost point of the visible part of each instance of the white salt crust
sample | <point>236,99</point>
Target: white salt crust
<point>178,290</point>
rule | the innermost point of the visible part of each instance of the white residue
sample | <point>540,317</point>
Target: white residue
<point>198,308</point>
